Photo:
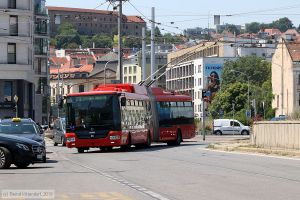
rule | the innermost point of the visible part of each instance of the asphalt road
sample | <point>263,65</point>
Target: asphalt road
<point>160,172</point>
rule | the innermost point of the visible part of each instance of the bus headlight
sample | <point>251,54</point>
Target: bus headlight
<point>71,139</point>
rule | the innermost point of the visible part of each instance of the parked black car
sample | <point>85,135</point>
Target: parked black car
<point>59,132</point>
<point>19,151</point>
<point>23,128</point>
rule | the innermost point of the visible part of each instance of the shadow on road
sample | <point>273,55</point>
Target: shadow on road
<point>154,147</point>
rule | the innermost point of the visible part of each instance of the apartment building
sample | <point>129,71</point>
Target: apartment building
<point>23,59</point>
<point>92,21</point>
<point>132,71</point>
<point>286,76</point>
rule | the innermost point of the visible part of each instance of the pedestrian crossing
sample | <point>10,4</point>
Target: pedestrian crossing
<point>94,196</point>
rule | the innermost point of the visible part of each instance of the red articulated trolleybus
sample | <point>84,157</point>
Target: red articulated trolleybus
<point>124,114</point>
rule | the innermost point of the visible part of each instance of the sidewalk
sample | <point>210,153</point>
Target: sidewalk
<point>244,146</point>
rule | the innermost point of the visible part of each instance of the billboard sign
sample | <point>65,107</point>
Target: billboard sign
<point>212,74</point>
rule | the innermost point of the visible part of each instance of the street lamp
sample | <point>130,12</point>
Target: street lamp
<point>105,70</point>
<point>248,107</point>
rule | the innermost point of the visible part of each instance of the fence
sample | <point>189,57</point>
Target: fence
<point>283,134</point>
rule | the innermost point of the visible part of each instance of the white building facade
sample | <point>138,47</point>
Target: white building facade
<point>21,63</point>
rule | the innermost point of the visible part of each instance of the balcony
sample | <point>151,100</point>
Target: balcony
<point>40,7</point>
<point>41,27</point>
<point>41,46</point>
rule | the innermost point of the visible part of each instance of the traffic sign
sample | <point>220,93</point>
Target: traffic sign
<point>248,113</point>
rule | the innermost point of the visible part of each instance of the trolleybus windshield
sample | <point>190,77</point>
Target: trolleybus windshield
<point>101,112</point>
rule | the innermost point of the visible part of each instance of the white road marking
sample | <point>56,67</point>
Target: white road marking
<point>250,154</point>
<point>120,181</point>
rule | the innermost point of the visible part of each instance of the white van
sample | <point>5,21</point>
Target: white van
<point>229,126</point>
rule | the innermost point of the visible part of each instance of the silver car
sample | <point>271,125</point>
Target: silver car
<point>230,126</point>
<point>59,132</point>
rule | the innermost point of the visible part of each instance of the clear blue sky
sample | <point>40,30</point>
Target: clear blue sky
<point>193,13</point>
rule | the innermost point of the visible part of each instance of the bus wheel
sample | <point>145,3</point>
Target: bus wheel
<point>80,150</point>
<point>148,143</point>
<point>106,149</point>
<point>179,138</point>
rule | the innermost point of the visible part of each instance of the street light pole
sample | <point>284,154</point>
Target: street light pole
<point>105,71</point>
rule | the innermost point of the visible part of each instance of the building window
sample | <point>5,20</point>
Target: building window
<point>12,4</point>
<point>11,53</point>
<point>299,99</point>
<point>130,70</point>
<point>125,79</point>
<point>199,81</point>
<point>125,70</point>
<point>81,88</point>
<point>199,68</point>
<point>129,80</point>
<point>298,79</point>
<point>13,25</point>
<point>134,79</point>
<point>134,69</point>
<point>57,19</point>
<point>8,87</point>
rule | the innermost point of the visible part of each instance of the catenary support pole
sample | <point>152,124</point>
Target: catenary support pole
<point>144,53</point>
<point>153,69</point>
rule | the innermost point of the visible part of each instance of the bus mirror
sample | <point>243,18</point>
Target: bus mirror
<point>123,101</point>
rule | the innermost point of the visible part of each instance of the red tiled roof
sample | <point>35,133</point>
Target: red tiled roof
<point>292,31</point>
<point>248,35</point>
<point>58,60</point>
<point>272,31</point>
<point>135,19</point>
<point>294,49</point>
<point>55,8</point>
<point>83,68</point>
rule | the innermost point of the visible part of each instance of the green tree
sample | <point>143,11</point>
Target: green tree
<point>234,89</point>
<point>132,42</point>
<point>86,41</point>
<point>283,24</point>
<point>257,69</point>
<point>67,34</point>
<point>102,41</point>
<point>253,27</point>
<point>232,28</point>
<point>235,94</point>
<point>72,46</point>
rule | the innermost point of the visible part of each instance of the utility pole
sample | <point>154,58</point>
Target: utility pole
<point>120,52</point>
<point>144,53</point>
<point>153,69</point>
<point>120,46</point>
<point>203,119</point>
<point>58,93</point>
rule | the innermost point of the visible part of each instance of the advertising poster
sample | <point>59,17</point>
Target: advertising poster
<point>213,74</point>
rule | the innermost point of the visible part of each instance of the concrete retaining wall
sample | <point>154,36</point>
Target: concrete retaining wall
<point>283,134</point>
